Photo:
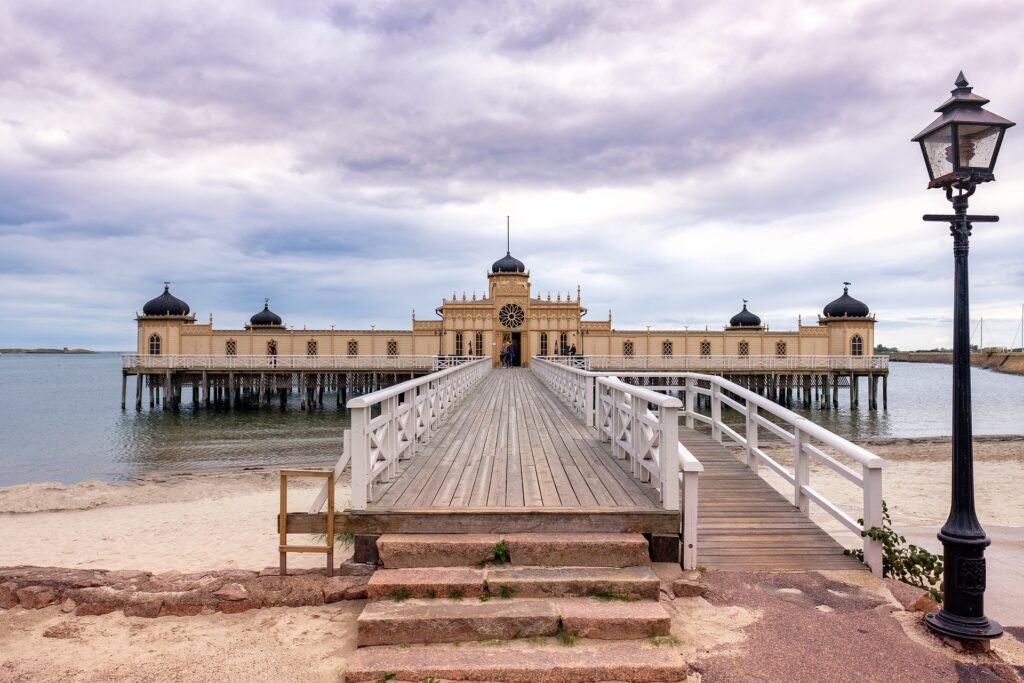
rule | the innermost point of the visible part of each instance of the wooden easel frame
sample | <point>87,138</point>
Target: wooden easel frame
<point>282,520</point>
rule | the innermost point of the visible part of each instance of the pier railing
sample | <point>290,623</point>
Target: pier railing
<point>806,439</point>
<point>145,362</point>
<point>735,363</point>
<point>389,425</point>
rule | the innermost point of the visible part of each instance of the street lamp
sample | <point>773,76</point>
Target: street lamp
<point>960,149</point>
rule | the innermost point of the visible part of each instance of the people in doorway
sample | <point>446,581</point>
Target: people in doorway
<point>504,354</point>
<point>572,350</point>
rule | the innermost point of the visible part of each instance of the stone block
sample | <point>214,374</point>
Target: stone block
<point>685,588</point>
<point>578,550</point>
<point>426,583</point>
<point>144,605</point>
<point>614,620</point>
<point>356,569</point>
<point>344,588</point>
<point>8,594</point>
<point>231,591</point>
<point>569,582</point>
<point>398,551</point>
<point>237,606</point>
<point>94,609</point>
<point>36,597</point>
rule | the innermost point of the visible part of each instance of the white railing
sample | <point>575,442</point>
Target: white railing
<point>409,414</point>
<point>805,437</point>
<point>737,363</point>
<point>444,362</point>
<point>642,425</point>
<point>276,363</point>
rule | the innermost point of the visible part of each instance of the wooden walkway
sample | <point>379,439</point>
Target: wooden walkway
<point>745,524</point>
<point>513,444</point>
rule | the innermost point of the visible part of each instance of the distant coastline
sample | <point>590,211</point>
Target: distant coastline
<point>1010,362</point>
<point>47,351</point>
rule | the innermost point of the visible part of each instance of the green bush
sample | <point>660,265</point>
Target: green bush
<point>904,561</point>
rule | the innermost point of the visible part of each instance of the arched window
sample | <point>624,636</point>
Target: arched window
<point>458,345</point>
<point>392,347</point>
<point>857,345</point>
<point>479,343</point>
<point>543,343</point>
<point>311,348</point>
<point>666,348</point>
<point>154,345</point>
<point>705,348</point>
<point>744,348</point>
<point>230,347</point>
<point>780,349</point>
<point>627,348</point>
<point>353,347</point>
<point>563,343</point>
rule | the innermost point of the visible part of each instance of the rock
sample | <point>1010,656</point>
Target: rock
<point>401,551</point>
<point>356,569</point>
<point>236,606</point>
<point>232,591</point>
<point>238,574</point>
<point>685,588</point>
<point>179,609</point>
<point>441,582</point>
<point>126,575</point>
<point>566,582</point>
<point>338,587</point>
<point>94,609</point>
<point>145,605</point>
<point>63,630</point>
<point>925,603</point>
<point>614,620</point>
<point>68,606</point>
<point>36,597</point>
<point>8,594</point>
<point>358,591</point>
<point>271,571</point>
<point>578,550</point>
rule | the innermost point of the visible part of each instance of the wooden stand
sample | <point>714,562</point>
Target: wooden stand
<point>282,520</point>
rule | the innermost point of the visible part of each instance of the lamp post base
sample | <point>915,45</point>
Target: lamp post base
<point>963,628</point>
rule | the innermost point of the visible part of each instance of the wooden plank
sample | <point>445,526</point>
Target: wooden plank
<point>533,495</point>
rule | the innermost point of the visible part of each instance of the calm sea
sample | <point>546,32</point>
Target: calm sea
<point>60,420</point>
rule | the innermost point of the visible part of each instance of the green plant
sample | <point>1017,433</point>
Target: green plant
<point>903,561</point>
<point>385,678</point>
<point>485,596</point>
<point>566,638</point>
<point>456,593</point>
<point>659,641</point>
<point>501,553</point>
<point>505,592</point>
<point>608,596</point>
<point>430,680</point>
<point>401,594</point>
<point>345,540</point>
<point>431,593</point>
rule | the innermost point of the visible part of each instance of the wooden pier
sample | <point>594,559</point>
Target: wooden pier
<point>512,455</point>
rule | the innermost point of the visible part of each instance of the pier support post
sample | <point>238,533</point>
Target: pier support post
<point>885,392</point>
<point>124,390</point>
<point>138,392</point>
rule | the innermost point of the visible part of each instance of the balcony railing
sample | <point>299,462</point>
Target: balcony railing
<point>736,363</point>
<point>143,362</point>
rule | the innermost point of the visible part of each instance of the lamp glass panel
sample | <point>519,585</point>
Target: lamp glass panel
<point>938,150</point>
<point>978,146</point>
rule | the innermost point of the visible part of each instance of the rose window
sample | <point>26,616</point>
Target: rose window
<point>511,315</point>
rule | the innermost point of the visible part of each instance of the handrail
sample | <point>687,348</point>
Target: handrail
<point>574,386</point>
<point>737,363</point>
<point>410,413</point>
<point>270,363</point>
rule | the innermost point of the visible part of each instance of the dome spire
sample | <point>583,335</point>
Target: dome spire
<point>846,306</point>
<point>166,304</point>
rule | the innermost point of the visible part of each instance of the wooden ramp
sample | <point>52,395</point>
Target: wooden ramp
<point>745,524</point>
<point>512,457</point>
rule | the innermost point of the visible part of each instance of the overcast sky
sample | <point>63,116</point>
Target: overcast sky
<point>356,160</point>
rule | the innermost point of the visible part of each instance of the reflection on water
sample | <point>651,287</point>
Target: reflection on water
<point>60,420</point>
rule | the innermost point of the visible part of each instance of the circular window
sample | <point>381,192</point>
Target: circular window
<point>511,315</point>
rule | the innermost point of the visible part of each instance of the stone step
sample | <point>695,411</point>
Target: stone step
<point>451,621</point>
<point>518,661</point>
<point>431,582</point>
<point>398,551</point>
<point>441,621</point>
<point>625,583</point>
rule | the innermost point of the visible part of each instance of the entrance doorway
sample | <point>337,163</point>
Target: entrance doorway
<point>516,340</point>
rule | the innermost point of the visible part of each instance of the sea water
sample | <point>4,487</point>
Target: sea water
<point>61,420</point>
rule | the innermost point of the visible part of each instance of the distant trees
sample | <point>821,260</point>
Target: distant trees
<point>879,348</point>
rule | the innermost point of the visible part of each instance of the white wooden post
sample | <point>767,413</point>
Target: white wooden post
<point>873,516</point>
<point>752,437</point>
<point>690,386</point>
<point>360,458</point>
<point>716,412</point>
<point>801,471</point>
<point>690,520</point>
<point>668,456</point>
<point>588,398</point>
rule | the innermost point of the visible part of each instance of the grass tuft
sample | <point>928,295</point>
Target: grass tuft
<point>456,593</point>
<point>401,595</point>
<point>501,552</point>
<point>431,593</point>
<point>609,596</point>
<point>505,592</point>
<point>566,638</point>
<point>660,641</point>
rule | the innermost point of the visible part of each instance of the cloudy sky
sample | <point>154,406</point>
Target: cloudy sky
<point>356,160</point>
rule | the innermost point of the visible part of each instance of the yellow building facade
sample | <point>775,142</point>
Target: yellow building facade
<point>509,315</point>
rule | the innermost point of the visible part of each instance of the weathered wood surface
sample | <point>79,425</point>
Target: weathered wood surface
<point>510,445</point>
<point>745,524</point>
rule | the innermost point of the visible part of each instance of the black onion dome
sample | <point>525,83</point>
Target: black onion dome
<point>266,316</point>
<point>166,304</point>
<point>846,306</point>
<point>508,264</point>
<point>745,319</point>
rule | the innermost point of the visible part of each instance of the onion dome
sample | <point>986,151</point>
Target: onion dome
<point>266,317</point>
<point>508,264</point>
<point>744,318</point>
<point>846,306</point>
<point>166,304</point>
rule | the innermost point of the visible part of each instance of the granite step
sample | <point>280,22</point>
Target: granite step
<point>519,661</point>
<point>399,551</point>
<point>450,621</point>
<point>622,583</point>
<point>442,621</point>
<point>430,582</point>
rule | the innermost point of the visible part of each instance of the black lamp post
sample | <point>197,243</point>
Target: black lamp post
<point>960,149</point>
